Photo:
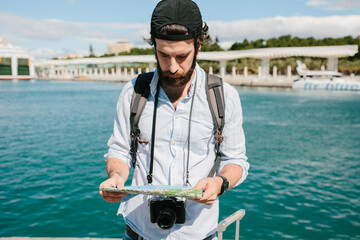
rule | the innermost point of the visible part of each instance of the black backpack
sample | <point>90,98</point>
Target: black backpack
<point>215,96</point>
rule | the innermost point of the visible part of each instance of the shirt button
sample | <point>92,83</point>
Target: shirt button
<point>173,142</point>
<point>177,116</point>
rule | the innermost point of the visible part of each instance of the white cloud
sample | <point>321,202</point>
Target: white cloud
<point>19,30</point>
<point>335,5</point>
<point>68,36</point>
<point>47,53</point>
<point>300,26</point>
<point>55,30</point>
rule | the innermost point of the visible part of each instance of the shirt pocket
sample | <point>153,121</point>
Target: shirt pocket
<point>202,139</point>
<point>143,154</point>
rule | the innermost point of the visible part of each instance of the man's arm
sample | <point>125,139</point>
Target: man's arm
<point>118,173</point>
<point>212,186</point>
<point>233,165</point>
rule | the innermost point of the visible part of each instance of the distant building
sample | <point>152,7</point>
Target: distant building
<point>70,55</point>
<point>120,46</point>
<point>73,55</point>
<point>15,62</point>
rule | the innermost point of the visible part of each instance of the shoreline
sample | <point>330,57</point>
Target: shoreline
<point>236,81</point>
<point>251,81</point>
<point>56,238</point>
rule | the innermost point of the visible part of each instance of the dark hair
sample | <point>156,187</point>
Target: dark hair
<point>175,29</point>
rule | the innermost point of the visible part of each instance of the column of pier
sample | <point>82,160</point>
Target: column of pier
<point>263,73</point>
<point>332,64</point>
<point>14,66</point>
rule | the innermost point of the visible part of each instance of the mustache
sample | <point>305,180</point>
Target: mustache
<point>173,75</point>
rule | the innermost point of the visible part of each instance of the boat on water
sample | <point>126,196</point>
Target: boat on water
<point>15,62</point>
<point>323,80</point>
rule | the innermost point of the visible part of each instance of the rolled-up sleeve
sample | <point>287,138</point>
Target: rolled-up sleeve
<point>120,141</point>
<point>233,148</point>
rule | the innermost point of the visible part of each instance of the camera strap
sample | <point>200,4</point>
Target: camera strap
<point>150,175</point>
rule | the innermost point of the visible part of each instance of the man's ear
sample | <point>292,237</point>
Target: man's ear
<point>198,50</point>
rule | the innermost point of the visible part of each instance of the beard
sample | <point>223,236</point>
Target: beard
<point>175,80</point>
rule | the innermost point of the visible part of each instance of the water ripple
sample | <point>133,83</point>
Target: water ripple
<point>304,180</point>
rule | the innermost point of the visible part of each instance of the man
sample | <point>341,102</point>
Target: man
<point>184,145</point>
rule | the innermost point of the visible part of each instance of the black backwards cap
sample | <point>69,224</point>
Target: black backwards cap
<point>181,12</point>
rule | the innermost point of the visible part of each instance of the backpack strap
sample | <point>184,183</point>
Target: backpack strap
<point>215,95</point>
<point>137,105</point>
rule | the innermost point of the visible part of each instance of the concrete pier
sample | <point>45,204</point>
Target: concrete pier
<point>235,80</point>
<point>277,81</point>
<point>255,81</point>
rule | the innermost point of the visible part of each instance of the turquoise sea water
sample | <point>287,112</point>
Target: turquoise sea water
<point>303,147</point>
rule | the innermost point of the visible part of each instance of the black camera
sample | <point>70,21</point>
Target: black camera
<point>165,212</point>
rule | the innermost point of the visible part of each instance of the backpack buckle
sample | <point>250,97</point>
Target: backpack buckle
<point>133,136</point>
<point>218,137</point>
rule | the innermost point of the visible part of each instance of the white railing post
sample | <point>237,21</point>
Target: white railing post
<point>237,216</point>
<point>274,72</point>
<point>288,72</point>
<point>259,72</point>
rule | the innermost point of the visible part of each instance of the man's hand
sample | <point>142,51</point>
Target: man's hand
<point>211,187</point>
<point>118,172</point>
<point>114,181</point>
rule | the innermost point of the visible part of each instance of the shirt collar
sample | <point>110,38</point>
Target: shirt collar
<point>155,81</point>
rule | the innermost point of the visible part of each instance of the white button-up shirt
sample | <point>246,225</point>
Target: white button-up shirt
<point>170,154</point>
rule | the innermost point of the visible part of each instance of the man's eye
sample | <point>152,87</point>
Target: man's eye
<point>182,57</point>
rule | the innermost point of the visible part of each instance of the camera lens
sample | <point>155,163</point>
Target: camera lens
<point>166,219</point>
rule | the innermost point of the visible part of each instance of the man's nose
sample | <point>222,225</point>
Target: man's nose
<point>173,66</point>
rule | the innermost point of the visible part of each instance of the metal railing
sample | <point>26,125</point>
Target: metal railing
<point>237,216</point>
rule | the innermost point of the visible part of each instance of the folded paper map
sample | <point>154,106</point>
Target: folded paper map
<point>159,190</point>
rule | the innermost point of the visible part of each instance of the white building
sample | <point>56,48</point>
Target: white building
<point>120,46</point>
<point>15,62</point>
<point>114,68</point>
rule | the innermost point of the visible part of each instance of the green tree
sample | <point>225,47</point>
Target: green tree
<point>210,45</point>
<point>91,51</point>
<point>240,45</point>
<point>138,51</point>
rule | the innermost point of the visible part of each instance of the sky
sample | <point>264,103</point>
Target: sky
<point>50,29</point>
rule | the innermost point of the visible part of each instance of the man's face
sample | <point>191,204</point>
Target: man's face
<point>176,61</point>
